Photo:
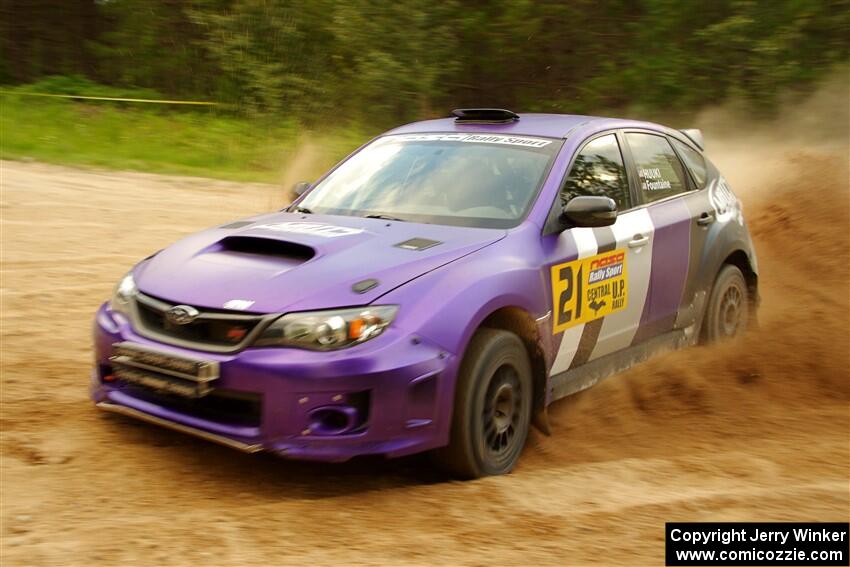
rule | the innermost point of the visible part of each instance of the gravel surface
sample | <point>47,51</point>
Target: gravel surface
<point>756,430</point>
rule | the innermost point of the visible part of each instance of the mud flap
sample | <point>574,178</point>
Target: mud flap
<point>540,420</point>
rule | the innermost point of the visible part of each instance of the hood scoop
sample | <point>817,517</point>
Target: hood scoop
<point>265,247</point>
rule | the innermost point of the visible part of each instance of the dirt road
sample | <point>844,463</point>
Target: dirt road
<point>757,430</point>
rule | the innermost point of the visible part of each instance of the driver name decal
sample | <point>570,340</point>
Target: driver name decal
<point>587,289</point>
<point>652,179</point>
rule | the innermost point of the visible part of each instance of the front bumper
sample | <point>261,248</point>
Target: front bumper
<point>396,390</point>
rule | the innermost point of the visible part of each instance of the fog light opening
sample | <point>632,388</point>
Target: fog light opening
<point>332,420</point>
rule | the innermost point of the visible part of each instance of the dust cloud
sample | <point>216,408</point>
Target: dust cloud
<point>301,165</point>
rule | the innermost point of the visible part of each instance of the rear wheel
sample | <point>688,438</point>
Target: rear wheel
<point>728,307</point>
<point>492,409</point>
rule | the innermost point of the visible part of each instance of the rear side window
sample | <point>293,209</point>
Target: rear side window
<point>598,170</point>
<point>693,160</point>
<point>660,172</point>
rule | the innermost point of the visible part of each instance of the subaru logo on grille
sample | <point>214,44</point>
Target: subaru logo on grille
<point>182,314</point>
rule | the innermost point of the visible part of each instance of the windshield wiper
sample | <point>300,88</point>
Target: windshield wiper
<point>385,217</point>
<point>304,210</point>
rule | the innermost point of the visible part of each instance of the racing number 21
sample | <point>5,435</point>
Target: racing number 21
<point>587,289</point>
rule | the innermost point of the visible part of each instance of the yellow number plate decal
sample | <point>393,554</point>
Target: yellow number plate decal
<point>587,289</point>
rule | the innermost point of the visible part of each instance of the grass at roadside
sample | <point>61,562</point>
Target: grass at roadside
<point>203,142</point>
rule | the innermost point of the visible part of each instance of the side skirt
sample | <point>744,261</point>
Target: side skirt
<point>572,381</point>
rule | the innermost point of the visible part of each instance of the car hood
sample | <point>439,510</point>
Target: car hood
<point>295,262</point>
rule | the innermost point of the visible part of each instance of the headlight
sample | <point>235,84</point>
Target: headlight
<point>328,330</point>
<point>123,294</point>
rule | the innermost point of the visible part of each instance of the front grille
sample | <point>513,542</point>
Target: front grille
<point>181,383</point>
<point>222,331</point>
<point>168,372</point>
<point>228,407</point>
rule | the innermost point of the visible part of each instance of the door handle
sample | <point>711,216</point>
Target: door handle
<point>638,240</point>
<point>705,219</point>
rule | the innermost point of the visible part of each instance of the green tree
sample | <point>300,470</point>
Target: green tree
<point>274,56</point>
<point>321,60</point>
<point>154,44</point>
<point>394,61</point>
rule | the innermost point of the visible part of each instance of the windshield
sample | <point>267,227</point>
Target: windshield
<point>478,180</point>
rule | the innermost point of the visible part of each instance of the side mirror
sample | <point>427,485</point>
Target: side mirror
<point>299,188</point>
<point>590,211</point>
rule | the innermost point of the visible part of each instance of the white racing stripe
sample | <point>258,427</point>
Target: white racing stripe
<point>586,245</point>
<point>619,328</point>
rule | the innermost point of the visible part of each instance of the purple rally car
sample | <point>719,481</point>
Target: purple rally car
<point>436,290</point>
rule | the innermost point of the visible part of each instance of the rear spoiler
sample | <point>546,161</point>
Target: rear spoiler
<point>695,136</point>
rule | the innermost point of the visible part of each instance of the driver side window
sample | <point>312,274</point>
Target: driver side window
<point>598,170</point>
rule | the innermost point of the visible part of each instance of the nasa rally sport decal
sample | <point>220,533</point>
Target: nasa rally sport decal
<point>478,139</point>
<point>587,289</point>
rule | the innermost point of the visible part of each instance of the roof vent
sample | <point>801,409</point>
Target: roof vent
<point>484,116</point>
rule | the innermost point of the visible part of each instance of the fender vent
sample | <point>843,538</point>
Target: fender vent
<point>417,244</point>
<point>266,247</point>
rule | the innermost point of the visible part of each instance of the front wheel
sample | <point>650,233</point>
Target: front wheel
<point>492,409</point>
<point>728,307</point>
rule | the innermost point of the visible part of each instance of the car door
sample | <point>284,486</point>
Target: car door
<point>663,188</point>
<point>711,202</point>
<point>599,276</point>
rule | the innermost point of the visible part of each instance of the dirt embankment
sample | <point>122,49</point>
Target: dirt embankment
<point>756,430</point>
